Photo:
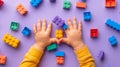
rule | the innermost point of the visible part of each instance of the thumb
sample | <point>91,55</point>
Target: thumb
<point>65,40</point>
<point>52,40</point>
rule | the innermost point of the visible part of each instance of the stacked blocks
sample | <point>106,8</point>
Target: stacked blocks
<point>81,5</point>
<point>66,4</point>
<point>94,33</point>
<point>87,16</point>
<point>59,33</point>
<point>60,57</point>
<point>35,3</point>
<point>58,21</point>
<point>10,40</point>
<point>2,59</point>
<point>52,0</point>
<point>110,3</point>
<point>113,24</point>
<point>113,41</point>
<point>21,9</point>
<point>14,26</point>
<point>52,47</point>
<point>26,31</point>
<point>101,55</point>
<point>1,3</point>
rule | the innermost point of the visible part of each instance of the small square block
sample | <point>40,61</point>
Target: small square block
<point>1,3</point>
<point>94,33</point>
<point>59,34</point>
<point>110,3</point>
<point>21,9</point>
<point>87,16</point>
<point>52,47</point>
<point>14,26</point>
<point>113,41</point>
<point>83,0</point>
<point>66,4</point>
<point>60,53</point>
<point>35,3</point>
<point>2,59</point>
<point>26,31</point>
<point>101,55</point>
<point>52,1</point>
<point>65,26</point>
<point>60,60</point>
<point>81,5</point>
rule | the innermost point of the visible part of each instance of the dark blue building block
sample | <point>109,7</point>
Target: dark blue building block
<point>65,26</point>
<point>59,53</point>
<point>113,41</point>
<point>83,0</point>
<point>87,16</point>
<point>35,3</point>
<point>52,1</point>
<point>26,31</point>
<point>101,55</point>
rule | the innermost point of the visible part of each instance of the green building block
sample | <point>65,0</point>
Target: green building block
<point>14,26</point>
<point>66,4</point>
<point>52,47</point>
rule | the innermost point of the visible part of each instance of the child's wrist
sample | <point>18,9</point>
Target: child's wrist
<point>39,46</point>
<point>78,45</point>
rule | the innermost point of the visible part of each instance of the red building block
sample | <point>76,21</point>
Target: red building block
<point>110,3</point>
<point>21,9</point>
<point>1,3</point>
<point>2,59</point>
<point>81,5</point>
<point>94,33</point>
<point>60,60</point>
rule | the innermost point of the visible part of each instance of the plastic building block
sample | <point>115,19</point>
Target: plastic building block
<point>66,4</point>
<point>113,41</point>
<point>94,33</point>
<point>83,0</point>
<point>87,16</point>
<point>60,60</point>
<point>35,3</point>
<point>21,9</point>
<point>10,40</point>
<point>81,5</point>
<point>59,33</point>
<point>65,26</point>
<point>14,26</point>
<point>1,3</point>
<point>113,24</point>
<point>52,47</point>
<point>60,53</point>
<point>110,3</point>
<point>2,59</point>
<point>26,31</point>
<point>52,0</point>
<point>101,55</point>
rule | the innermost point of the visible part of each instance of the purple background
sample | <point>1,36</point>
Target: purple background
<point>49,10</point>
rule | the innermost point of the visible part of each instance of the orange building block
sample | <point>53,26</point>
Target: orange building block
<point>21,9</point>
<point>59,33</point>
<point>60,60</point>
<point>81,5</point>
<point>2,59</point>
<point>110,3</point>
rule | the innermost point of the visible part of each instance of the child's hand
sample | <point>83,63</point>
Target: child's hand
<point>74,34</point>
<point>42,35</point>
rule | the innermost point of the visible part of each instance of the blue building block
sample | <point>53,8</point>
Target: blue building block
<point>113,24</point>
<point>101,55</point>
<point>83,0</point>
<point>52,1</point>
<point>113,41</point>
<point>87,16</point>
<point>26,31</point>
<point>60,53</point>
<point>65,26</point>
<point>35,3</point>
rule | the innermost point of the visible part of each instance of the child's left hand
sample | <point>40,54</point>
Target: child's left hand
<point>42,35</point>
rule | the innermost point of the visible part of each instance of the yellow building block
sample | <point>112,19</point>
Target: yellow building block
<point>59,33</point>
<point>10,40</point>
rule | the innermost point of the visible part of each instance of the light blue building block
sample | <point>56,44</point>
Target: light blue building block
<point>113,41</point>
<point>35,3</point>
<point>59,53</point>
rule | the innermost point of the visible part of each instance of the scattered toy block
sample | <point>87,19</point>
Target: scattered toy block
<point>66,4</point>
<point>26,31</point>
<point>1,3</point>
<point>14,26</point>
<point>101,55</point>
<point>21,9</point>
<point>113,24</point>
<point>94,33</point>
<point>87,16</point>
<point>64,26</point>
<point>59,33</point>
<point>10,40</point>
<point>113,41</point>
<point>60,60</point>
<point>110,3</point>
<point>83,0</point>
<point>81,5</point>
<point>59,53</point>
<point>35,3</point>
<point>52,47</point>
<point>52,1</point>
<point>2,59</point>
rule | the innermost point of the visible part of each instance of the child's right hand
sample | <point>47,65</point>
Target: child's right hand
<point>74,34</point>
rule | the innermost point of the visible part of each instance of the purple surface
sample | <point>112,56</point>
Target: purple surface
<point>49,10</point>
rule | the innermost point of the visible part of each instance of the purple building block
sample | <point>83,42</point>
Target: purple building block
<point>101,55</point>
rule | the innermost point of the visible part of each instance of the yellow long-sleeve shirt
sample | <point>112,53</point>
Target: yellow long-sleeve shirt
<point>33,57</point>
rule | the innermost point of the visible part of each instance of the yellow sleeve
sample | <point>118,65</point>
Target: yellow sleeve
<point>32,58</point>
<point>84,57</point>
